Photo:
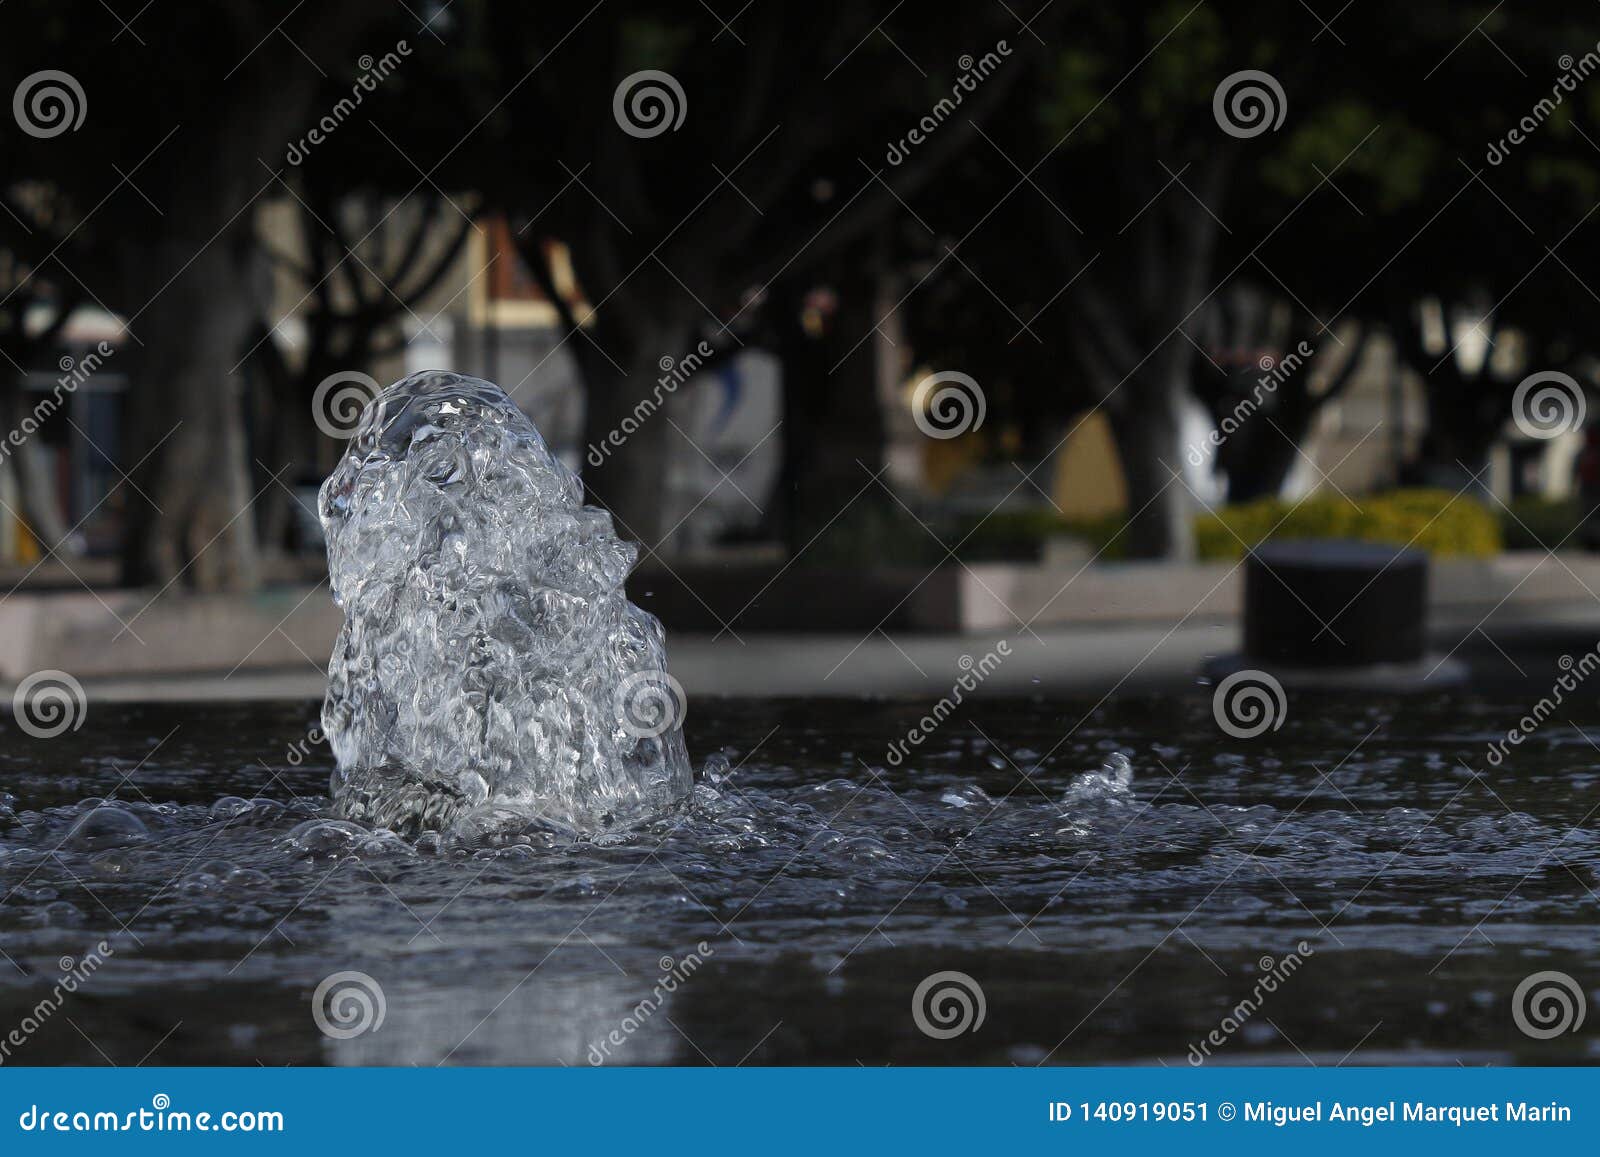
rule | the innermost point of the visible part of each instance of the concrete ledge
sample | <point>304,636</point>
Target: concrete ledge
<point>1527,579</point>
<point>293,627</point>
<point>84,633</point>
<point>770,596</point>
<point>998,595</point>
<point>1519,584</point>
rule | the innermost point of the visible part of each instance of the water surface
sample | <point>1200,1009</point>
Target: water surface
<point>814,885</point>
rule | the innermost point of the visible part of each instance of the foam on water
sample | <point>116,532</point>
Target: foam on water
<point>490,674</point>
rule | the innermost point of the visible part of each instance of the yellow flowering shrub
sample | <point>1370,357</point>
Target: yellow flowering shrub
<point>1437,521</point>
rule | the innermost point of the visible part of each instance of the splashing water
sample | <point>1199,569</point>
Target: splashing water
<point>490,673</point>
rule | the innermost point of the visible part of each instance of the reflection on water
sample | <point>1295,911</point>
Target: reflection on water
<point>815,886</point>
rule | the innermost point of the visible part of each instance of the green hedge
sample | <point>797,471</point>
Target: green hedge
<point>1541,523</point>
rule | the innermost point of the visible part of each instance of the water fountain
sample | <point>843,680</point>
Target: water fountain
<point>488,873</point>
<point>490,672</point>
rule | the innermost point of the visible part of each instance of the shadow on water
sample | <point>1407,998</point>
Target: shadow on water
<point>793,914</point>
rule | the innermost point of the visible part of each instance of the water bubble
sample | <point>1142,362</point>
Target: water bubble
<point>228,807</point>
<point>61,914</point>
<point>384,843</point>
<point>107,826</point>
<point>325,837</point>
<point>865,849</point>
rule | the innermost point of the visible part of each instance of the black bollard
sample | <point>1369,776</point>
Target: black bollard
<point>1331,614</point>
<point>1335,603</point>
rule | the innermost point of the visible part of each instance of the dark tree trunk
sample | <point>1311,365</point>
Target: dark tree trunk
<point>196,519</point>
<point>1261,452</point>
<point>285,437</point>
<point>833,423</point>
<point>627,434</point>
<point>1466,409</point>
<point>191,288</point>
<point>1148,434</point>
